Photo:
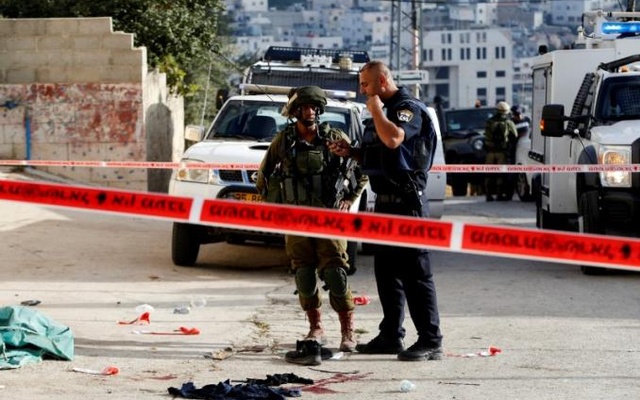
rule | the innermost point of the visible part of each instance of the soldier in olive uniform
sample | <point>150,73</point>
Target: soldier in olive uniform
<point>298,169</point>
<point>500,134</point>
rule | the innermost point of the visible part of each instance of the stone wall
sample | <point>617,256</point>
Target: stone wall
<point>72,89</point>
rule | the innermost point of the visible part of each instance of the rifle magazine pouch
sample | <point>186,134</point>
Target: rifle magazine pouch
<point>309,162</point>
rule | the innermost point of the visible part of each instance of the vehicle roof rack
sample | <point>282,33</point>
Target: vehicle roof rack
<point>274,89</point>
<point>279,53</point>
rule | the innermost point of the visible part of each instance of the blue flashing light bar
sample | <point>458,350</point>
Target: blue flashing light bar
<point>611,28</point>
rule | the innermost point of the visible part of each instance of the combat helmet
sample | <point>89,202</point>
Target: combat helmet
<point>304,95</point>
<point>503,107</point>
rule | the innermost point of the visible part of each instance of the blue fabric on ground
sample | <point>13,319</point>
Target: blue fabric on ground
<point>224,390</point>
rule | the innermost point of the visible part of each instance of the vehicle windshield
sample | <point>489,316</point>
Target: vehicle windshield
<point>470,119</point>
<point>261,120</point>
<point>619,99</point>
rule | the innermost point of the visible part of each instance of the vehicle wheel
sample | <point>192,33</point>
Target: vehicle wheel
<point>352,252</point>
<point>459,187</point>
<point>547,220</point>
<point>185,244</point>
<point>522,188</point>
<point>591,223</point>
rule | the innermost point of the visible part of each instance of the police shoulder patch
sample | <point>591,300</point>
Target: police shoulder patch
<point>405,115</point>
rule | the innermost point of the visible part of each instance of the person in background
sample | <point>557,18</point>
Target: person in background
<point>523,127</point>
<point>499,136</point>
<point>398,175</point>
<point>298,169</point>
<point>522,122</point>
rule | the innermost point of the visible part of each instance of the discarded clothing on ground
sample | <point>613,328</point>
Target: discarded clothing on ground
<point>253,389</point>
<point>27,336</point>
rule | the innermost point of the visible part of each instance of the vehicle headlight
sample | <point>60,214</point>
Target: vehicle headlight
<point>200,175</point>
<point>477,144</point>
<point>611,155</point>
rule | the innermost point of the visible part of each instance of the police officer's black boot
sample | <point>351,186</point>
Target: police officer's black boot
<point>307,352</point>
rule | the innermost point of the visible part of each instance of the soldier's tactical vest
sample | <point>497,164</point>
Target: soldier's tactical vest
<point>308,170</point>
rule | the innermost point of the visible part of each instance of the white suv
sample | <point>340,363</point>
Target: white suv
<point>240,134</point>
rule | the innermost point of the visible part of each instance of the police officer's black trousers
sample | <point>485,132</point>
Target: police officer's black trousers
<point>404,274</point>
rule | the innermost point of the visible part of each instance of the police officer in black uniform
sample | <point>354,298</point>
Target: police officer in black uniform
<point>397,167</point>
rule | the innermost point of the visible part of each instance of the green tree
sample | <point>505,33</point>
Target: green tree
<point>179,35</point>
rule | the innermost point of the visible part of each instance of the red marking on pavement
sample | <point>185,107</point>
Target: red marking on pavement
<point>319,386</point>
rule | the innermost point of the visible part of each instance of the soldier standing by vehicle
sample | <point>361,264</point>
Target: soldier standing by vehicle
<point>299,169</point>
<point>397,153</point>
<point>499,135</point>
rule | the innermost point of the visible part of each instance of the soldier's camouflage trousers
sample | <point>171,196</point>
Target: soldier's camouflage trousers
<point>314,259</point>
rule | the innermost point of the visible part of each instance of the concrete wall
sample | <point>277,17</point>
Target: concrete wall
<point>72,89</point>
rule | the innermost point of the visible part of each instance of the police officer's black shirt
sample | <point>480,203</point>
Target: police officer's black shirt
<point>387,167</point>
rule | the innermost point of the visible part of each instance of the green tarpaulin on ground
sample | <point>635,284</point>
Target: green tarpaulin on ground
<point>27,336</point>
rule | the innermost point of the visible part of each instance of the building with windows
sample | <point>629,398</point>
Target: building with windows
<point>362,29</point>
<point>319,42</point>
<point>256,45</point>
<point>468,65</point>
<point>523,83</point>
<point>247,5</point>
<point>569,12</point>
<point>471,50</point>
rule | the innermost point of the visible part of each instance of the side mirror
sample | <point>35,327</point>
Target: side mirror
<point>552,122</point>
<point>194,133</point>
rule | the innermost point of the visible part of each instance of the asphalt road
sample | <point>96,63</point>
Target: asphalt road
<point>563,335</point>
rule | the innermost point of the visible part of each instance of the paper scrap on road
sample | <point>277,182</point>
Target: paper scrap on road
<point>490,352</point>
<point>180,331</point>
<point>110,370</point>
<point>143,319</point>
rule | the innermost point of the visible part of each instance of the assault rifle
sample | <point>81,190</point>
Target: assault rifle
<point>347,181</point>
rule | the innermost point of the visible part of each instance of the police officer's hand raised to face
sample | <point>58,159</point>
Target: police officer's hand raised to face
<point>374,104</point>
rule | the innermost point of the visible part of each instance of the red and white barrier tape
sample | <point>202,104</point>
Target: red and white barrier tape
<point>128,164</point>
<point>533,244</point>
<point>449,168</point>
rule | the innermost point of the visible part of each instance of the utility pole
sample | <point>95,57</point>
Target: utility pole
<point>405,53</point>
<point>631,5</point>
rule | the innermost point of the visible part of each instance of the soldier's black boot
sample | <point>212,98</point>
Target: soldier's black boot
<point>307,352</point>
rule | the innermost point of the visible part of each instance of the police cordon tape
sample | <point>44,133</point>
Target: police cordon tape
<point>522,243</point>
<point>449,168</point>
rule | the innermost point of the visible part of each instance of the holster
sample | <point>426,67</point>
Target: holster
<point>411,196</point>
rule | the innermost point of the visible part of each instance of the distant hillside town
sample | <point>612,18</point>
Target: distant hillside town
<point>473,51</point>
